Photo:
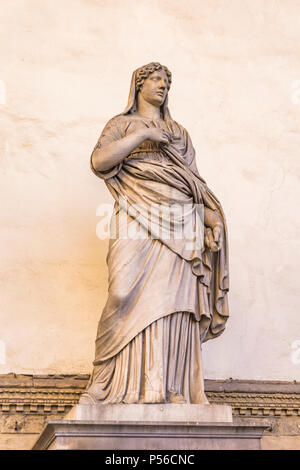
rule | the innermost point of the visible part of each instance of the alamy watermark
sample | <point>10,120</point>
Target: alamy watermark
<point>2,353</point>
<point>2,92</point>
<point>295,354</point>
<point>296,92</point>
<point>158,221</point>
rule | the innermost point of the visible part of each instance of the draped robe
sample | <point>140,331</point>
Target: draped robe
<point>166,296</point>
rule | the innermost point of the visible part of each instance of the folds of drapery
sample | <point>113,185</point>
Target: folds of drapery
<point>136,267</point>
<point>161,364</point>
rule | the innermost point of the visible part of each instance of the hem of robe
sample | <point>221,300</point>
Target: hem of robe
<point>162,364</point>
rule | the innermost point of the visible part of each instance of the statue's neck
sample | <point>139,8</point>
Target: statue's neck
<point>148,110</point>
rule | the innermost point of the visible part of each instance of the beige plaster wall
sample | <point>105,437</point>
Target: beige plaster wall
<point>65,70</point>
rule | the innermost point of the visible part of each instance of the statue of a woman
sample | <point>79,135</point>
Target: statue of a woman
<point>164,298</point>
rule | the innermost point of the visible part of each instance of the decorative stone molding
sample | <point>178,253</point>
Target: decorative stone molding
<point>56,394</point>
<point>40,394</point>
<point>256,398</point>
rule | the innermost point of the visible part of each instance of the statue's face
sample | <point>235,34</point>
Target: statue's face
<point>155,88</point>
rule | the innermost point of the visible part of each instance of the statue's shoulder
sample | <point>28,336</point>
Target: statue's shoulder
<point>117,120</point>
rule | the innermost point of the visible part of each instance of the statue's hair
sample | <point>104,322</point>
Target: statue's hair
<point>144,72</point>
<point>138,78</point>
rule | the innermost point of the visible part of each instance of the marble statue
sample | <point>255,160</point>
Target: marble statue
<point>165,297</point>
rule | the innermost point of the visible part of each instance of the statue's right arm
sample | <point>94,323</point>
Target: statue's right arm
<point>107,156</point>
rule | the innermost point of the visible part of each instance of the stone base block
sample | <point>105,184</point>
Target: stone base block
<point>165,412</point>
<point>149,427</point>
<point>80,435</point>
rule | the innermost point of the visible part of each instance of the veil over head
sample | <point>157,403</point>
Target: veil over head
<point>132,99</point>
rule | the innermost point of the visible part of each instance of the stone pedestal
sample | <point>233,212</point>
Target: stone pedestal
<point>149,427</point>
<point>165,412</point>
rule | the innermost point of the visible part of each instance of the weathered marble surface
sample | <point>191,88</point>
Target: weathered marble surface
<point>88,435</point>
<point>158,412</point>
<point>169,426</point>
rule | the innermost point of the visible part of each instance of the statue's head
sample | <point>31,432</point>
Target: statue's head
<point>153,81</point>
